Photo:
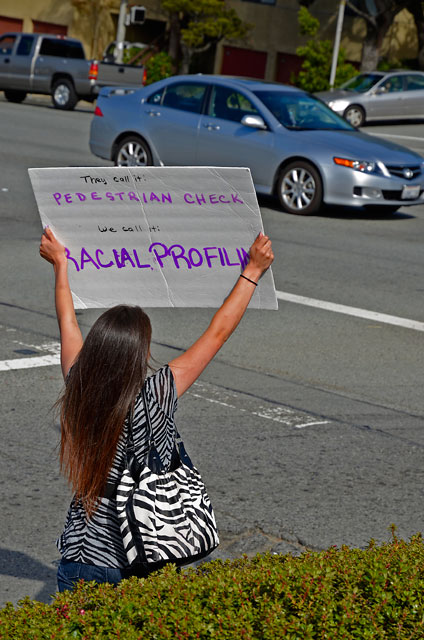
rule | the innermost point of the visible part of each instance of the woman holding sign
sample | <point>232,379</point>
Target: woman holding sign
<point>110,406</point>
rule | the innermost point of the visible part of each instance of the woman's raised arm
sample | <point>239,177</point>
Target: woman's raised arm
<point>187,367</point>
<point>70,334</point>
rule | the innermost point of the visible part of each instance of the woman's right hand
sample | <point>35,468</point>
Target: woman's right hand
<point>51,249</point>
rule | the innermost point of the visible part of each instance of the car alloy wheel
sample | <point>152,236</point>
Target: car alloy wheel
<point>133,152</point>
<point>300,188</point>
<point>64,95</point>
<point>355,115</point>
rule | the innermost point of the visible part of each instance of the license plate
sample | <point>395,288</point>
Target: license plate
<point>410,192</point>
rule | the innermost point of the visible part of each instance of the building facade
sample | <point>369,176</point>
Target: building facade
<point>268,52</point>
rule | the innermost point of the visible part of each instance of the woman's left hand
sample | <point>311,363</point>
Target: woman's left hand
<point>51,249</point>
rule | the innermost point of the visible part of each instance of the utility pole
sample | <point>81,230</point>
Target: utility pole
<point>337,39</point>
<point>120,33</point>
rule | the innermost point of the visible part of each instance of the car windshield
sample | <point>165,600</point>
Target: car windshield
<point>362,83</point>
<point>302,111</point>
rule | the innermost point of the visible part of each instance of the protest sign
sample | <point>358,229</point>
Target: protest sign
<point>153,236</point>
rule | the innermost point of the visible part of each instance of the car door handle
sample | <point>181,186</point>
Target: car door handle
<point>7,60</point>
<point>153,113</point>
<point>212,127</point>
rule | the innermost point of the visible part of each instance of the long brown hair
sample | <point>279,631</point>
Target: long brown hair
<point>101,386</point>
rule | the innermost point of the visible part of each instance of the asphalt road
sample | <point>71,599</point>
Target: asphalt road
<point>308,426</point>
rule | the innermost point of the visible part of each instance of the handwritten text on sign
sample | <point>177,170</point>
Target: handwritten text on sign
<point>154,236</point>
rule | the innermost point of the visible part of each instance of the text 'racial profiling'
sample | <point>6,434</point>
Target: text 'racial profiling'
<point>161,255</point>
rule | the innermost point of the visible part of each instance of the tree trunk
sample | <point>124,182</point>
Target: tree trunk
<point>370,52</point>
<point>377,29</point>
<point>186,59</point>
<point>415,7</point>
<point>174,37</point>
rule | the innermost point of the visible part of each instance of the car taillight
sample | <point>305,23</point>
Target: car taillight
<point>143,82</point>
<point>94,71</point>
<point>98,112</point>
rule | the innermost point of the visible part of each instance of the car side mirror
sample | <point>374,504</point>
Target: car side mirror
<point>380,91</point>
<point>254,122</point>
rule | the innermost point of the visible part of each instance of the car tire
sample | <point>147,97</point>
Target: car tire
<point>14,96</point>
<point>299,188</point>
<point>132,151</point>
<point>64,95</point>
<point>355,115</point>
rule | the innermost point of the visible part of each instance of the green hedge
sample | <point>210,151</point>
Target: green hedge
<point>346,593</point>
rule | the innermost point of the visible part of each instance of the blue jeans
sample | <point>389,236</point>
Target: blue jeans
<point>69,573</point>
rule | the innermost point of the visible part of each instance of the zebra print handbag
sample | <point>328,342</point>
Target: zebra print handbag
<point>165,515</point>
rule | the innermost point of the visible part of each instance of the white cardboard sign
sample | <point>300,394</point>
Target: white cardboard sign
<point>154,236</point>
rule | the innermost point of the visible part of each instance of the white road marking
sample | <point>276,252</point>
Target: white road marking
<point>245,403</point>
<point>28,363</point>
<point>50,347</point>
<point>53,347</point>
<point>224,404</point>
<point>38,361</point>
<point>310,424</point>
<point>351,311</point>
<point>395,135</point>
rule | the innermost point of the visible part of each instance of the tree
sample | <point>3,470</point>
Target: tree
<point>379,16</point>
<point>416,8</point>
<point>317,56</point>
<point>196,25</point>
<point>95,23</point>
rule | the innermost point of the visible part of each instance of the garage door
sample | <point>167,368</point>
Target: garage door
<point>10,24</point>
<point>49,27</point>
<point>243,62</point>
<point>287,65</point>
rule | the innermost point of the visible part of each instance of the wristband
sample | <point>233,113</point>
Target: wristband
<point>249,280</point>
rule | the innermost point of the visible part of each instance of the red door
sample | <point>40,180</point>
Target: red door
<point>10,24</point>
<point>49,27</point>
<point>243,62</point>
<point>288,64</point>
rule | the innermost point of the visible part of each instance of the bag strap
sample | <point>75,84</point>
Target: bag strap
<point>147,414</point>
<point>149,424</point>
<point>131,459</point>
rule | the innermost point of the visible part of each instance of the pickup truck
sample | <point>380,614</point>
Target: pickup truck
<point>56,65</point>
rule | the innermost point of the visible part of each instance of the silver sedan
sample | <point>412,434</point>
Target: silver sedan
<point>395,95</point>
<point>296,147</point>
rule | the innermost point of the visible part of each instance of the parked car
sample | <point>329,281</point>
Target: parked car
<point>295,146</point>
<point>378,96</point>
<point>56,65</point>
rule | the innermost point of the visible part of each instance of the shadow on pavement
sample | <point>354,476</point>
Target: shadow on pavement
<point>20,565</point>
<point>44,102</point>
<point>393,121</point>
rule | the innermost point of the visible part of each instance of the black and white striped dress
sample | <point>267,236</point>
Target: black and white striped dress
<point>97,540</point>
